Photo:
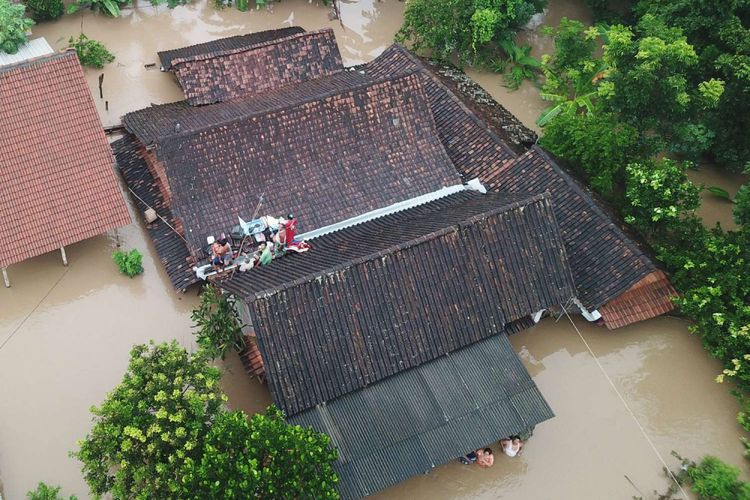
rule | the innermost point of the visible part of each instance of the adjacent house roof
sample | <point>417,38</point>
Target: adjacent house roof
<point>31,49</point>
<point>325,157</point>
<point>57,181</point>
<point>421,418</point>
<point>220,74</point>
<point>604,261</point>
<point>375,299</point>
<point>222,45</point>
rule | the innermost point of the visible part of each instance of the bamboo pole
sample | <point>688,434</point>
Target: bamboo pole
<point>64,257</point>
<point>5,277</point>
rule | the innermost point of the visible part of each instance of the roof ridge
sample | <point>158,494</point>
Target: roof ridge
<point>35,60</point>
<point>400,247</point>
<point>247,48</point>
<point>289,105</point>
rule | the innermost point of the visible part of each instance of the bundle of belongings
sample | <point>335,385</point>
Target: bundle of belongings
<point>254,243</point>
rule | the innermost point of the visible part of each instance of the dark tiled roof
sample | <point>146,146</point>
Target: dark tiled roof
<point>604,261</point>
<point>225,44</point>
<point>170,247</point>
<point>471,145</point>
<point>477,263</point>
<point>57,180</point>
<point>421,418</point>
<point>156,123</point>
<point>650,297</point>
<point>325,160</point>
<point>224,75</point>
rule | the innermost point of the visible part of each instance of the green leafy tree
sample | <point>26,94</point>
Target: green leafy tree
<point>469,28</point>
<point>164,432</point>
<point>14,26</point>
<point>218,324</point>
<point>741,209</point>
<point>596,145</point>
<point>659,195</point>
<point>44,491</point>
<point>91,53</point>
<point>44,10</point>
<point>649,77</point>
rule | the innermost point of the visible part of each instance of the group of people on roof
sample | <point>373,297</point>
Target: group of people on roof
<point>260,241</point>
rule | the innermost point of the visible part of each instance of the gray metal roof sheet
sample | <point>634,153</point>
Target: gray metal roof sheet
<point>424,417</point>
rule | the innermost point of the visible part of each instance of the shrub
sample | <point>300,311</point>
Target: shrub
<point>46,492</point>
<point>129,262</point>
<point>90,52</point>
<point>712,479</point>
<point>14,26</point>
<point>109,7</point>
<point>43,10</point>
<point>218,323</point>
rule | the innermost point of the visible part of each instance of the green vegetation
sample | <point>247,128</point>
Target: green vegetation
<point>164,432</point>
<point>43,10</point>
<point>92,54</point>
<point>129,263</point>
<point>14,26</point>
<point>218,324</point>
<point>109,7</point>
<point>471,29</point>
<point>46,492</point>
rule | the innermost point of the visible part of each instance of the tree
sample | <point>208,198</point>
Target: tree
<point>469,28</point>
<point>13,26</point>
<point>596,145</point>
<point>712,479</point>
<point>44,491</point>
<point>43,10</point>
<point>741,209</point>
<point>164,432</point>
<point>659,195</point>
<point>218,324</point>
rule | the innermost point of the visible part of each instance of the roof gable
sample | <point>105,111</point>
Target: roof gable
<point>346,327</point>
<point>221,75</point>
<point>57,181</point>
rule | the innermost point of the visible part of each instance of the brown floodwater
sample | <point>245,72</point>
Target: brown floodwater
<point>67,331</point>
<point>714,209</point>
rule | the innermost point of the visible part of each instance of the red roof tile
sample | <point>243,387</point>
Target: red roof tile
<point>57,181</point>
<point>648,298</point>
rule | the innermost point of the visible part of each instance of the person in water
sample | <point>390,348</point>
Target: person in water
<point>512,446</point>
<point>482,458</point>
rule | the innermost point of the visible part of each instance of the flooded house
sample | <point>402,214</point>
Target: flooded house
<point>432,239</point>
<point>57,177</point>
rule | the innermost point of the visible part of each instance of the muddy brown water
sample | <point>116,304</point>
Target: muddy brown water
<point>68,330</point>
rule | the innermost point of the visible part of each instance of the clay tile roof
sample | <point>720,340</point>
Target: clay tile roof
<point>648,298</point>
<point>169,245</point>
<point>57,181</point>
<point>225,44</point>
<point>225,74</point>
<point>604,261</point>
<point>392,293</point>
<point>326,158</point>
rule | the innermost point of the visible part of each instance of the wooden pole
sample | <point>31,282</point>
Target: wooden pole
<point>5,277</point>
<point>64,257</point>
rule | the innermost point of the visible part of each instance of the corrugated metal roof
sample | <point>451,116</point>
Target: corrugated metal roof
<point>424,417</point>
<point>34,48</point>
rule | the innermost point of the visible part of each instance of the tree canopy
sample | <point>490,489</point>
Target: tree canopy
<point>164,432</point>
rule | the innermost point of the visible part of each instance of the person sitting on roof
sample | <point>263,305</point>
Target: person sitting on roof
<point>482,458</point>
<point>512,446</point>
<point>221,252</point>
